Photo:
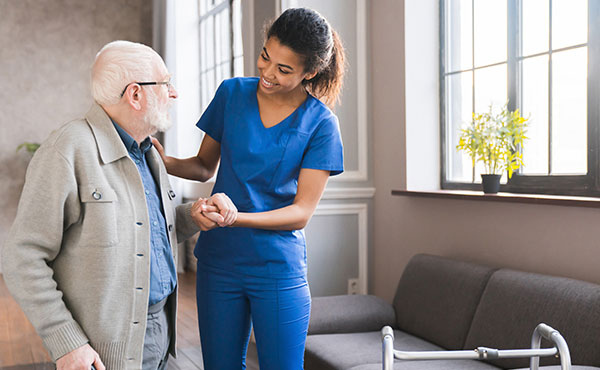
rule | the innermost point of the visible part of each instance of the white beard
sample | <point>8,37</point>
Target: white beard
<point>155,118</point>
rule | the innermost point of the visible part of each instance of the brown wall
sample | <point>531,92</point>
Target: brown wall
<point>548,239</point>
<point>46,50</point>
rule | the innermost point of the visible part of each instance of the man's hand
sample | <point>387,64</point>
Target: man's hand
<point>226,209</point>
<point>216,211</point>
<point>81,358</point>
<point>205,216</point>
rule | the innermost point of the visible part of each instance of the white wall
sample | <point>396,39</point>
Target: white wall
<point>339,234</point>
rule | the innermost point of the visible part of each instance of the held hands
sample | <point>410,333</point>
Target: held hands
<point>216,211</point>
<point>81,358</point>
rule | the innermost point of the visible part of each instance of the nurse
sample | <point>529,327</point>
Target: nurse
<point>277,142</point>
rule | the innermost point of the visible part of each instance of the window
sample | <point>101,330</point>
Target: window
<point>221,53</point>
<point>542,56</point>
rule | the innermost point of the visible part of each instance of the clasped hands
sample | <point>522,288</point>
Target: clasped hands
<point>213,212</point>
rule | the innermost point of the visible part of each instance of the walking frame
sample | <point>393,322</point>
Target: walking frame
<point>483,353</point>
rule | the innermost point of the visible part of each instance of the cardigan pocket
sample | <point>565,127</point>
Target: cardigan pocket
<point>99,221</point>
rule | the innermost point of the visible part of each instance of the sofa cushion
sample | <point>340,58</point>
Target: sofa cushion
<point>432,365</point>
<point>557,367</point>
<point>353,351</point>
<point>514,302</point>
<point>344,351</point>
<point>442,365</point>
<point>349,313</point>
<point>437,297</point>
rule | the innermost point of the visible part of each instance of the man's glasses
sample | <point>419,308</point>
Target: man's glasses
<point>168,83</point>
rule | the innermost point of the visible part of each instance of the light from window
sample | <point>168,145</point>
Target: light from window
<point>221,52</point>
<point>533,54</point>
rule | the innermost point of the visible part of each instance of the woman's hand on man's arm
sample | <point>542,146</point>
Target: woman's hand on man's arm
<point>199,168</point>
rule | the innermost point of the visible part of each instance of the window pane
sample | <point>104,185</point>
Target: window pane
<point>225,36</point>
<point>536,27</point>
<point>202,6</point>
<point>218,74</point>
<point>569,23</point>
<point>238,67</point>
<point>535,105</point>
<point>204,39</point>
<point>209,41</point>
<point>211,83</point>
<point>205,93</point>
<point>490,87</point>
<point>490,32</point>
<point>218,39</point>
<point>459,92</point>
<point>238,49</point>
<point>569,112</point>
<point>459,33</point>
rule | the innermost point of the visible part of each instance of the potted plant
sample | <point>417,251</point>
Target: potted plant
<point>495,140</point>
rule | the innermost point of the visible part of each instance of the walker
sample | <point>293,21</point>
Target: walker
<point>483,353</point>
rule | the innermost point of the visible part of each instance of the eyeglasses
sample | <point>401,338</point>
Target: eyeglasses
<point>168,83</point>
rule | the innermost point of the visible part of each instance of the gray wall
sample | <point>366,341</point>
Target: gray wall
<point>46,50</point>
<point>542,238</point>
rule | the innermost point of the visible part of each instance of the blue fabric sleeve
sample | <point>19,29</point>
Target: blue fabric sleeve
<point>325,150</point>
<point>212,120</point>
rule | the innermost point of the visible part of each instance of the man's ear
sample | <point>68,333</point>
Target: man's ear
<point>134,96</point>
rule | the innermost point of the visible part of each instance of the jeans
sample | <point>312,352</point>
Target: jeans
<point>157,338</point>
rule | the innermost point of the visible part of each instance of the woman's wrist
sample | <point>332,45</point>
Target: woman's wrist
<point>169,163</point>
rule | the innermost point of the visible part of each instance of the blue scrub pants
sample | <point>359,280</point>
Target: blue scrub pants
<point>230,303</point>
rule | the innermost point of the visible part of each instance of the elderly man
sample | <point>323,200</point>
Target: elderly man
<point>91,255</point>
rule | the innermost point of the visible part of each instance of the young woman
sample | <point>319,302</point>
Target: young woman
<point>277,142</point>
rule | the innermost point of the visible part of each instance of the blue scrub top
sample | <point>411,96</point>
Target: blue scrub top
<point>259,171</point>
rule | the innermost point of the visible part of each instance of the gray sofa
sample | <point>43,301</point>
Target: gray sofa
<point>443,304</point>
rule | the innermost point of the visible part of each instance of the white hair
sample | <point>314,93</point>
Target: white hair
<point>118,64</point>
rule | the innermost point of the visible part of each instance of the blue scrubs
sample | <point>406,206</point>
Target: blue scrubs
<point>246,272</point>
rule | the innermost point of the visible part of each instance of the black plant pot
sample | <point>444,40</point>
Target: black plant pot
<point>491,183</point>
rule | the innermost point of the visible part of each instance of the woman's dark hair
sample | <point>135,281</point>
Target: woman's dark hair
<point>307,33</point>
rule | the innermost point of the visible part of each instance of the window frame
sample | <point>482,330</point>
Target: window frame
<point>212,12</point>
<point>583,185</point>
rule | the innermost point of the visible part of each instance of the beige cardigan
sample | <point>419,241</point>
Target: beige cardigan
<point>77,258</point>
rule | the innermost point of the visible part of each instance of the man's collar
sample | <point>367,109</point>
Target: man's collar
<point>113,142</point>
<point>110,145</point>
<point>130,142</point>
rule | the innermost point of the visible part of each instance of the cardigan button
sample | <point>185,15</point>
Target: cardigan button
<point>96,195</point>
<point>170,227</point>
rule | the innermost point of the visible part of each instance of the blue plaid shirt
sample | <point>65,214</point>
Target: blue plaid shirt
<point>163,274</point>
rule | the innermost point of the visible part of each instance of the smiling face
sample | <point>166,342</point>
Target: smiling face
<point>281,70</point>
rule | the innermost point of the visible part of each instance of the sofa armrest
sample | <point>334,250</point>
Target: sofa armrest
<point>350,314</point>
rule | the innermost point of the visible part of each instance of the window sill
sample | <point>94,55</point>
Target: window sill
<point>555,200</point>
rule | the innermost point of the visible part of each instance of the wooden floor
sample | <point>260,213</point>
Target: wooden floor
<point>21,348</point>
